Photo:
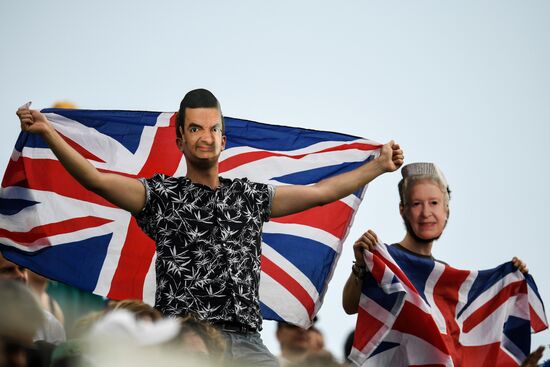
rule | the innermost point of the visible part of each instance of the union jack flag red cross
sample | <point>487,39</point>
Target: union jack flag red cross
<point>55,227</point>
<point>415,311</point>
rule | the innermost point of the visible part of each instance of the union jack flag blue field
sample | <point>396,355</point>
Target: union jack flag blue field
<point>416,311</point>
<point>55,227</point>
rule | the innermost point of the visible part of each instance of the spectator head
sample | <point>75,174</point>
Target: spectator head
<point>123,326</point>
<point>317,359</point>
<point>34,278</point>
<point>20,318</point>
<point>84,324</point>
<point>293,340</point>
<point>140,309</point>
<point>119,338</point>
<point>316,340</point>
<point>200,339</point>
<point>12,271</point>
<point>64,104</point>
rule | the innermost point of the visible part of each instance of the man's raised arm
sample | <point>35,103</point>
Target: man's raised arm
<point>295,198</point>
<point>124,192</point>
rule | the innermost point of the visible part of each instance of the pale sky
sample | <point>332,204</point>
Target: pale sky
<point>464,84</point>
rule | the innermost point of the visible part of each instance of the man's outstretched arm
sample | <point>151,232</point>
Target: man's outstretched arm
<point>124,192</point>
<point>295,198</point>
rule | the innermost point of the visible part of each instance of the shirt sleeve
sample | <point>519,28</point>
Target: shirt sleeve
<point>266,193</point>
<point>148,218</point>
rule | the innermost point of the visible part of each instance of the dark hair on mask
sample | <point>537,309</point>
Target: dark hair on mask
<point>197,98</point>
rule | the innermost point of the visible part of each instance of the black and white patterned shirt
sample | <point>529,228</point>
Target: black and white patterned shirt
<point>208,246</point>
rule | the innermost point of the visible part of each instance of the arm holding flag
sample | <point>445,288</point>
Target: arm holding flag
<point>406,313</point>
<point>296,198</point>
<point>533,358</point>
<point>126,193</point>
<point>352,289</point>
<point>129,194</point>
<point>518,263</point>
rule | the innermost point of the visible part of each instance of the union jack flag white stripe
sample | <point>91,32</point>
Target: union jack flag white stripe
<point>52,225</point>
<point>415,311</point>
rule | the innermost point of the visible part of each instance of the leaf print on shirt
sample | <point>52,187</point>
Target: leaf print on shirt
<point>208,246</point>
<point>201,217</point>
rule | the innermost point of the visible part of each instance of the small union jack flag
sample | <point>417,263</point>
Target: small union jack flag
<point>415,311</point>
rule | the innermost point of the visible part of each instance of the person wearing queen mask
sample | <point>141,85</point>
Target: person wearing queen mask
<point>424,206</point>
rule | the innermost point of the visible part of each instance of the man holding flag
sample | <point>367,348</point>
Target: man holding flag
<point>416,310</point>
<point>207,228</point>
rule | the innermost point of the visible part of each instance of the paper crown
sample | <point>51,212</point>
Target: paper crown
<point>424,169</point>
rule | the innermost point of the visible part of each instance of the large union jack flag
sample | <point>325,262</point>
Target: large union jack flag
<point>52,225</point>
<point>415,311</point>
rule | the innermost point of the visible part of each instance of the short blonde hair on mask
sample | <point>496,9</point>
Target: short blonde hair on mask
<point>420,171</point>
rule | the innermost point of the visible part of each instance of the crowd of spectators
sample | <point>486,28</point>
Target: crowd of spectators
<point>123,333</point>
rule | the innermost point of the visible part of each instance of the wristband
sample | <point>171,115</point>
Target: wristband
<point>359,271</point>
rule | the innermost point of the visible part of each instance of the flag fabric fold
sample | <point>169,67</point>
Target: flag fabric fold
<point>52,225</point>
<point>415,311</point>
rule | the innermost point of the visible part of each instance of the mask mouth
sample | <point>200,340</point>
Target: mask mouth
<point>205,149</point>
<point>410,231</point>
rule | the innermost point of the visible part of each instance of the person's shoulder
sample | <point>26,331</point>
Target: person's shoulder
<point>51,320</point>
<point>234,180</point>
<point>245,183</point>
<point>52,331</point>
<point>161,176</point>
<point>239,181</point>
<point>397,249</point>
<point>166,180</point>
<point>243,180</point>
